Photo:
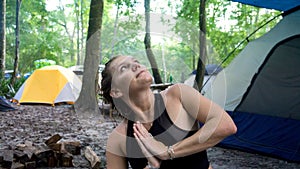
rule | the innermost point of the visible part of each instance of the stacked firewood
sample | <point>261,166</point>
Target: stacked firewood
<point>52,153</point>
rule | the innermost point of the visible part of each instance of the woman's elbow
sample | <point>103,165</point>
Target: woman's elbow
<point>229,129</point>
<point>233,129</point>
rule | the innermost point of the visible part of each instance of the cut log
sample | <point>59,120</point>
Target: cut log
<point>28,143</point>
<point>66,160</point>
<point>72,147</point>
<point>21,147</point>
<point>29,152</point>
<point>92,157</point>
<point>51,153</point>
<point>43,151</point>
<point>21,156</point>
<point>7,157</point>
<point>52,162</point>
<point>17,165</point>
<point>53,139</point>
<point>55,146</point>
<point>41,162</point>
<point>30,165</point>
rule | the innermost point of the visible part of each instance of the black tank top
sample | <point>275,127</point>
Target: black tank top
<point>165,131</point>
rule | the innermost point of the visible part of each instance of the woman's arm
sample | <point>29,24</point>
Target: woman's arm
<point>114,161</point>
<point>217,123</point>
<point>115,147</point>
<point>186,101</point>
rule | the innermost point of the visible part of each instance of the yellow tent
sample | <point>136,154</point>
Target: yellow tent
<point>50,85</point>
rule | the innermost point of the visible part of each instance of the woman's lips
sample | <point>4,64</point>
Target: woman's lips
<point>142,71</point>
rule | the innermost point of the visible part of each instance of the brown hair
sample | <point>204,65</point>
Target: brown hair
<point>107,80</point>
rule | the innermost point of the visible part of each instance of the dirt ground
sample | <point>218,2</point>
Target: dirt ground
<point>36,123</point>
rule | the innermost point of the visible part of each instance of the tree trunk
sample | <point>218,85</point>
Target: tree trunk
<point>115,30</point>
<point>17,31</point>
<point>202,55</point>
<point>78,30</point>
<point>2,37</point>
<point>147,42</point>
<point>82,35</point>
<point>87,102</point>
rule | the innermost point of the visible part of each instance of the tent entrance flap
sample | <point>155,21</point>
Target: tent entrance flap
<point>276,84</point>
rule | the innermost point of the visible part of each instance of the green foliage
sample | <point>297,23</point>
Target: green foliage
<point>126,41</point>
<point>43,62</point>
<point>52,35</point>
<point>9,91</point>
<point>228,24</point>
<point>39,39</point>
<point>189,11</point>
<point>127,6</point>
<point>247,19</point>
<point>4,87</point>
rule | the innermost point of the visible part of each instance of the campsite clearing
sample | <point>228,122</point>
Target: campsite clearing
<point>35,123</point>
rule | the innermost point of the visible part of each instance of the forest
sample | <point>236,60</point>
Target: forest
<point>56,31</point>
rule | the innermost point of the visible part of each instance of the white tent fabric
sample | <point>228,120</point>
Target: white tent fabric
<point>236,78</point>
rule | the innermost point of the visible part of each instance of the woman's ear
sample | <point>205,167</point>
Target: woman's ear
<point>115,93</point>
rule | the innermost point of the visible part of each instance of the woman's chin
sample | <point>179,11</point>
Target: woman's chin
<point>145,79</point>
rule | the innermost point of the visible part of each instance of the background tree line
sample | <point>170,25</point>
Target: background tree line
<point>60,33</point>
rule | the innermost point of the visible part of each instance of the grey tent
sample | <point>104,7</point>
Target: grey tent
<point>5,105</point>
<point>211,70</point>
<point>260,89</point>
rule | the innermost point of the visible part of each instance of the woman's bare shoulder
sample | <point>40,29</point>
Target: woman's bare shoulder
<point>121,129</point>
<point>117,138</point>
<point>174,90</point>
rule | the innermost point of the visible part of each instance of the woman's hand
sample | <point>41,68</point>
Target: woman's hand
<point>148,143</point>
<point>153,162</point>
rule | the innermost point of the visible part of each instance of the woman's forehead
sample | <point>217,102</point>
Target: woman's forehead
<point>120,60</point>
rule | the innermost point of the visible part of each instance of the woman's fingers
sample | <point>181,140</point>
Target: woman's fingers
<point>141,130</point>
<point>151,159</point>
<point>155,147</point>
<point>143,148</point>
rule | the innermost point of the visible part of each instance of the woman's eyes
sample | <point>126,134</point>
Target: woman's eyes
<point>126,66</point>
<point>123,68</point>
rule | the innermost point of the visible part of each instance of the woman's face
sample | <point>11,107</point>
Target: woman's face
<point>128,75</point>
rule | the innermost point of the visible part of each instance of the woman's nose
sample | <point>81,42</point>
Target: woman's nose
<point>135,66</point>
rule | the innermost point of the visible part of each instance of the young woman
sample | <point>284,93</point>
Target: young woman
<point>159,130</point>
